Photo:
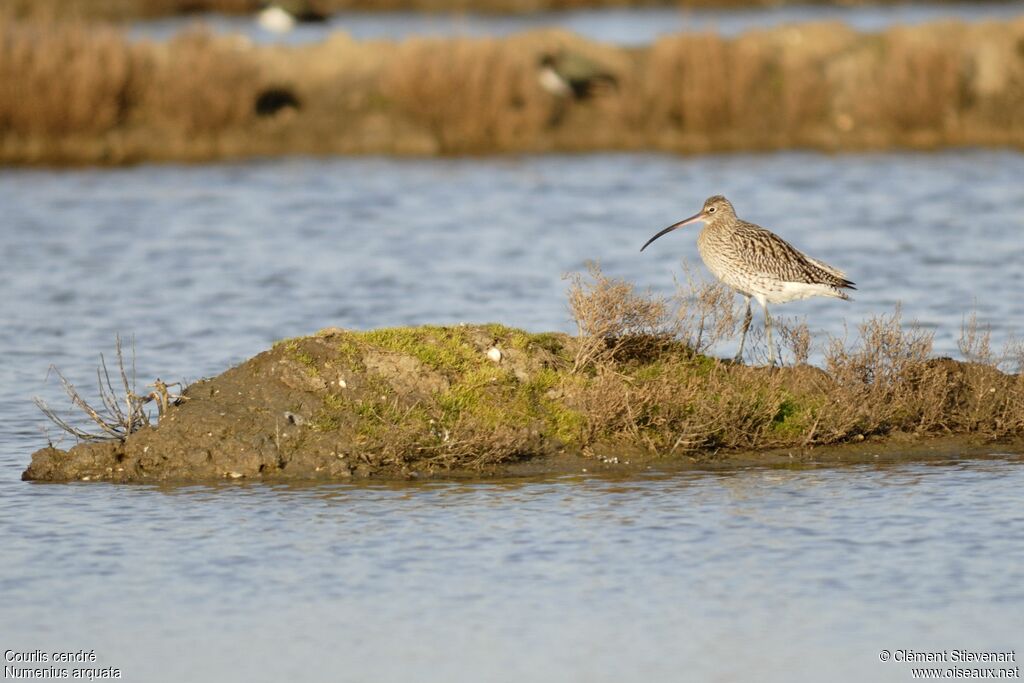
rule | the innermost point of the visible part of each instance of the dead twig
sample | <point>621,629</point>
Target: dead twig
<point>119,412</point>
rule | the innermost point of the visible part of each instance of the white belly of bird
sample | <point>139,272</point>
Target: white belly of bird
<point>764,287</point>
<point>794,291</point>
<point>553,83</point>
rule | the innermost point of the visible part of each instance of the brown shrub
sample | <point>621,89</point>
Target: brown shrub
<point>614,322</point>
<point>704,312</point>
<point>796,339</point>
<point>991,399</point>
<point>672,400</point>
<point>611,318</point>
<point>876,378</point>
<point>669,397</point>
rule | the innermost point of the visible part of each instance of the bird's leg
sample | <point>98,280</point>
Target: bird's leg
<point>748,316</point>
<point>768,336</point>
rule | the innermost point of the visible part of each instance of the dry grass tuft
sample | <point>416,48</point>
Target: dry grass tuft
<point>677,401</point>
<point>704,312</point>
<point>612,317</point>
<point>882,355</point>
<point>797,341</point>
<point>615,322</point>
<point>975,345</point>
<point>876,379</point>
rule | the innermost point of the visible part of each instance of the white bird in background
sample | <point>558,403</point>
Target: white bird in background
<point>281,16</point>
<point>565,73</point>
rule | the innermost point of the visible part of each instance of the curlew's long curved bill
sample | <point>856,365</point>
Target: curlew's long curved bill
<point>675,226</point>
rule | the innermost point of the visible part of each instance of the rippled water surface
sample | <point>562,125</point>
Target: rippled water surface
<point>752,575</point>
<point>755,574</point>
<point>629,26</point>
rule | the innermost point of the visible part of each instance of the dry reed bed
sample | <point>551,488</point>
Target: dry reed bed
<point>134,9</point>
<point>81,93</point>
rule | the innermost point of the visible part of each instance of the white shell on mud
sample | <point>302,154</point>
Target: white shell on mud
<point>494,353</point>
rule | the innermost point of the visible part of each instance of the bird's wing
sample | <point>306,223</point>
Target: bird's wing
<point>768,253</point>
<point>574,66</point>
<point>301,9</point>
<point>826,267</point>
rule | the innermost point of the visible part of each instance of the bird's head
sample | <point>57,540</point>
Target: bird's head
<point>715,208</point>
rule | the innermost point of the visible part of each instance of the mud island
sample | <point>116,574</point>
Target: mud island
<point>635,386</point>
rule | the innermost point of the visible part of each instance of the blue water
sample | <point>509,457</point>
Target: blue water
<point>208,265</point>
<point>755,574</point>
<point>624,26</point>
<point>770,575</point>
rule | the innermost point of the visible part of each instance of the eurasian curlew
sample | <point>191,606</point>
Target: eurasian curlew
<point>758,263</point>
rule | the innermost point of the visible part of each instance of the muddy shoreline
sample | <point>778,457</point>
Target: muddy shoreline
<point>55,465</point>
<point>881,450</point>
<point>487,401</point>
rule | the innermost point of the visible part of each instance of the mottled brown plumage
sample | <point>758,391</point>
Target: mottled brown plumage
<point>758,263</point>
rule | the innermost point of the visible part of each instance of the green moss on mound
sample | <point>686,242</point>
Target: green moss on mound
<point>471,397</point>
<point>406,400</point>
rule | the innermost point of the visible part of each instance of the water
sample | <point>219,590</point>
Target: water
<point>624,26</point>
<point>769,575</point>
<point>773,575</point>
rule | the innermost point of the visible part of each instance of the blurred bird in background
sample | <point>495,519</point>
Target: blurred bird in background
<point>281,16</point>
<point>274,101</point>
<point>570,74</point>
<point>572,77</point>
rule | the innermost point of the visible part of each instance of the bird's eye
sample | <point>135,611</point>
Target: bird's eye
<point>712,210</point>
